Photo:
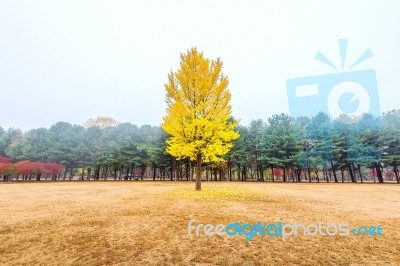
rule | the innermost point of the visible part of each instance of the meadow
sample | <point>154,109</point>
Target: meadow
<point>146,223</point>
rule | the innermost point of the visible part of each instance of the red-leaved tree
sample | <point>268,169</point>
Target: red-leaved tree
<point>5,159</point>
<point>7,170</point>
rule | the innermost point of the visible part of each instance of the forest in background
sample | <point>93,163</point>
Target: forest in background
<point>278,149</point>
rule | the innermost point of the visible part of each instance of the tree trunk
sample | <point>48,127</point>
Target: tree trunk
<point>229,170</point>
<point>154,171</point>
<point>273,175</point>
<point>334,172</point>
<point>187,170</point>
<point>190,171</point>
<point>174,175</point>
<point>143,169</point>
<point>353,168</point>
<point>298,174</point>
<point>325,172</point>
<point>257,172</point>
<point>71,173</point>
<point>106,173</point>
<point>396,172</point>
<point>262,173</point>
<point>379,172</point>
<point>351,173</point>
<point>342,173</point>
<point>65,172</point>
<point>115,173</point>
<point>360,174</point>
<point>132,172</point>
<point>284,174</point>
<point>198,172</point>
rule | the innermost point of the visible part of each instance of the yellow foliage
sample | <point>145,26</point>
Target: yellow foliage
<point>268,172</point>
<point>101,122</point>
<point>198,109</point>
<point>220,193</point>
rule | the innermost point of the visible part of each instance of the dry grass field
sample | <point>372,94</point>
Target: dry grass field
<point>146,223</point>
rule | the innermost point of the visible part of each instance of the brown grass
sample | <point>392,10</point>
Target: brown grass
<point>145,223</point>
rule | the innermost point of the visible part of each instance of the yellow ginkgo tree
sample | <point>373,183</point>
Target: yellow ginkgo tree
<point>199,111</point>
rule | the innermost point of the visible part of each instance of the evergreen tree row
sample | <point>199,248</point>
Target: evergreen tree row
<point>281,148</point>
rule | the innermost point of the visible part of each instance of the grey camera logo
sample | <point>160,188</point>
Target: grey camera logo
<point>354,93</point>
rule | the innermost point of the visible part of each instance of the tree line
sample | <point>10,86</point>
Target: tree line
<point>26,170</point>
<point>279,149</point>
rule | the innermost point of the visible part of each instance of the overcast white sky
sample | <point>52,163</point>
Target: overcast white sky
<point>74,60</point>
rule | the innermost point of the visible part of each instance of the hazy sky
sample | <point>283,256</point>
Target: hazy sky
<point>74,60</point>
